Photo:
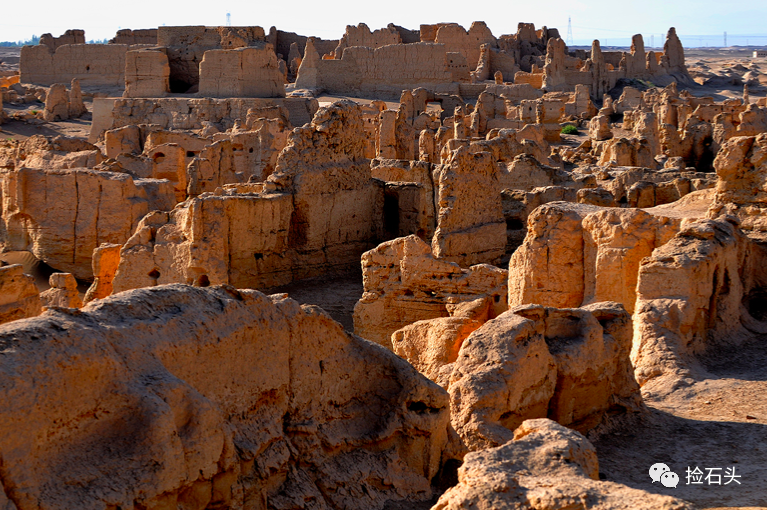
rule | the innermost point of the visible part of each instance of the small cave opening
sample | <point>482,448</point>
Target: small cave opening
<point>447,476</point>
<point>756,304</point>
<point>203,281</point>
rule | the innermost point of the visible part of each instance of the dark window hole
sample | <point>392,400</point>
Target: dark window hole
<point>391,215</point>
<point>154,274</point>
<point>179,86</point>
<point>203,281</point>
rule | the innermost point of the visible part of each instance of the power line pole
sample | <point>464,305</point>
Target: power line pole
<point>725,39</point>
<point>652,41</point>
<point>569,39</point>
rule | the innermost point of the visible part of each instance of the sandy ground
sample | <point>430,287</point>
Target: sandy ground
<point>721,73</point>
<point>9,59</point>
<point>336,294</point>
<point>719,422</point>
<point>326,99</point>
<point>21,130</point>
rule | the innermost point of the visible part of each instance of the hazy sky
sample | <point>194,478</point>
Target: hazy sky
<point>598,19</point>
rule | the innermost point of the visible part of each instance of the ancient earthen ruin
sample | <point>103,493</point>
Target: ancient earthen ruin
<point>532,257</point>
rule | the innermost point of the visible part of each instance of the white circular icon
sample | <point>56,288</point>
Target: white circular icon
<point>657,470</point>
<point>669,479</point>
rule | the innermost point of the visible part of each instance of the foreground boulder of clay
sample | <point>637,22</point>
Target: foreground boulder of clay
<point>181,397</point>
<point>545,467</point>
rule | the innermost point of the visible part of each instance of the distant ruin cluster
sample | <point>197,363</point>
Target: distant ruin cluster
<point>521,288</point>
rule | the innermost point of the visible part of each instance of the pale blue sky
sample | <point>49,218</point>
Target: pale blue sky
<point>599,19</point>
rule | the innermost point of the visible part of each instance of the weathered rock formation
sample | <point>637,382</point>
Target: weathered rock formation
<point>204,398</point>
<point>63,292</point>
<point>703,289</point>
<point>570,365</point>
<point>467,234</point>
<point>576,254</point>
<point>741,189</point>
<point>316,213</point>
<point>404,283</point>
<point>19,297</point>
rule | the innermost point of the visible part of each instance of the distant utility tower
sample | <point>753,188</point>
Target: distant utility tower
<point>228,19</point>
<point>652,41</point>
<point>725,39</point>
<point>569,39</point>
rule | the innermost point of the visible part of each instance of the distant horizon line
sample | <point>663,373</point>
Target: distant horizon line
<point>688,40</point>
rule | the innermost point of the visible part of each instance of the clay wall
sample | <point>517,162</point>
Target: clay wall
<point>61,216</point>
<point>190,35</point>
<point>92,64</point>
<point>385,71</point>
<point>189,113</point>
<point>236,239</point>
<point>241,72</point>
<point>186,46</point>
<point>535,80</point>
<point>147,74</point>
<point>361,35</point>
<point>128,36</point>
<point>69,37</point>
<point>282,41</point>
<point>467,42</point>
